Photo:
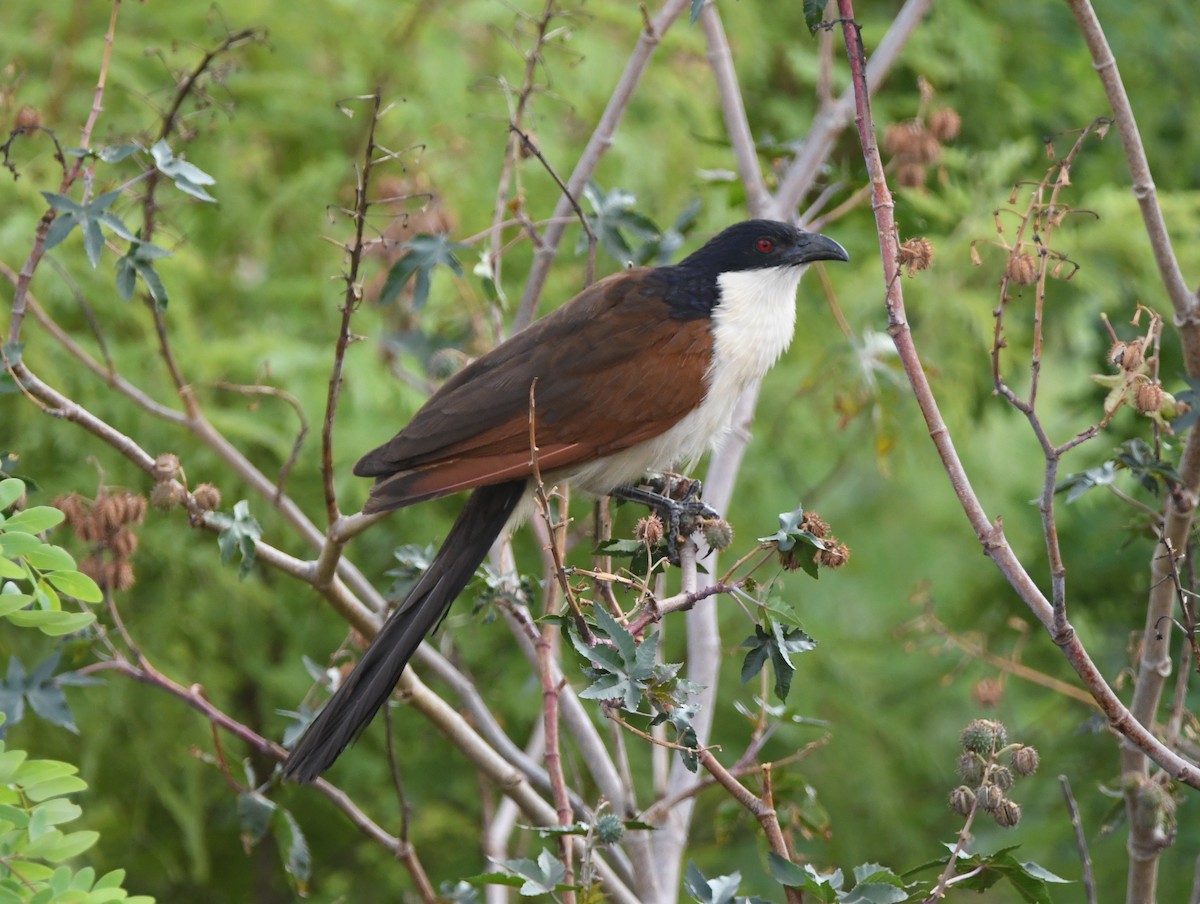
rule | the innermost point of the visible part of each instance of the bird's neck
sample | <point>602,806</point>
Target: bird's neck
<point>752,325</point>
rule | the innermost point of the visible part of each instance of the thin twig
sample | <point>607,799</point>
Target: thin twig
<point>1085,859</point>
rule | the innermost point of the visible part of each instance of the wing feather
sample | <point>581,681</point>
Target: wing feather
<point>644,373</point>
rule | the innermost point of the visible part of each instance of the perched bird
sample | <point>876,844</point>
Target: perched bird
<point>640,371</point>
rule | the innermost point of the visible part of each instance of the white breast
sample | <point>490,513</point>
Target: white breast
<point>752,326</point>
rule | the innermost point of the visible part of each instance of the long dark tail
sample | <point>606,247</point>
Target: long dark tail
<point>371,683</point>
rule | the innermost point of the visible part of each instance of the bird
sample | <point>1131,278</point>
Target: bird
<point>640,371</point>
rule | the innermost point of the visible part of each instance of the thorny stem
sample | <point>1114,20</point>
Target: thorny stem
<point>990,535</point>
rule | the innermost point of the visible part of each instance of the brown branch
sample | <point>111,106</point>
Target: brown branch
<point>1085,859</point>
<point>990,535</point>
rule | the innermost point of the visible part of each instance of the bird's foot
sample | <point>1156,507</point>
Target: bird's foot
<point>676,500</point>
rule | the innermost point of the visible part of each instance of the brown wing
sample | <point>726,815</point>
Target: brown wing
<point>642,372</point>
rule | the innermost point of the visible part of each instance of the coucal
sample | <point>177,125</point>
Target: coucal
<point>640,371</point>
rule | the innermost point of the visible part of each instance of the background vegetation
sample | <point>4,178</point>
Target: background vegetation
<point>254,295</point>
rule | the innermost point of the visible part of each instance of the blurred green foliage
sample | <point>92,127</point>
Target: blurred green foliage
<point>254,293</point>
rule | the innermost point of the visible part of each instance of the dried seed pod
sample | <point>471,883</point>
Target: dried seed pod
<point>649,530</point>
<point>962,800</point>
<point>834,556</point>
<point>123,544</point>
<point>1025,760</point>
<point>74,509</point>
<point>812,523</point>
<point>718,533</point>
<point>916,254</point>
<point>1022,269</point>
<point>911,174</point>
<point>207,497</point>
<point>1135,354</point>
<point>1007,813</point>
<point>166,467</point>
<point>988,691</point>
<point>945,124</point>
<point>167,495</point>
<point>1147,398</point>
<point>970,767</point>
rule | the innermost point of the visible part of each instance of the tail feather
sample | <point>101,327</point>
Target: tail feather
<point>371,683</point>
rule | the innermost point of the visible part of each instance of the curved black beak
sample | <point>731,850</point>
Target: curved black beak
<point>816,247</point>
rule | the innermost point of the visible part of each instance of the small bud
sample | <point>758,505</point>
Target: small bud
<point>610,829</point>
<point>983,736</point>
<point>1025,760</point>
<point>166,467</point>
<point>649,530</point>
<point>970,767</point>
<point>718,533</point>
<point>167,495</point>
<point>962,800</point>
<point>945,124</point>
<point>207,497</point>
<point>1007,814</point>
<point>1022,269</point>
<point>1148,398</point>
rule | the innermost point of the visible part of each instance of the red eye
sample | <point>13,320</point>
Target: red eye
<point>764,245</point>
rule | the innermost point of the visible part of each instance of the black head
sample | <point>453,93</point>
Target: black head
<point>690,287</point>
<point>758,244</point>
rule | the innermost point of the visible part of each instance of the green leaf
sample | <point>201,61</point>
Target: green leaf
<point>423,254</point>
<point>814,13</point>
<point>239,534</point>
<point>34,520</point>
<point>50,558</point>
<point>11,489</point>
<point>614,217</point>
<point>293,847</point>
<point>52,624</point>
<point>541,877</point>
<point>139,261</point>
<point>694,14</point>
<point>186,176</point>
<point>76,584</point>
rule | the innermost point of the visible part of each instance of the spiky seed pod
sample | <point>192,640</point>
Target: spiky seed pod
<point>1021,269</point>
<point>166,467</point>
<point>788,560</point>
<point>900,139</point>
<point>1148,398</point>
<point>928,149</point>
<point>1117,352</point>
<point>74,509</point>
<point>945,124</point>
<point>135,508</point>
<point>812,523</point>
<point>983,736</point>
<point>916,254</point>
<point>1025,760</point>
<point>911,174</point>
<point>167,495</point>
<point>27,118</point>
<point>609,828</point>
<point>1002,777</point>
<point>207,497</point>
<point>123,544</point>
<point>718,533</point>
<point>121,575</point>
<point>834,556</point>
<point>1007,814</point>
<point>93,567</point>
<point>970,767</point>
<point>990,797</point>
<point>649,530</point>
<point>962,800</point>
<point>988,691</point>
<point>1135,354</point>
<point>108,513</point>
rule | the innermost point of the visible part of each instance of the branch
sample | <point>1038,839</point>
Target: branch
<point>990,536</point>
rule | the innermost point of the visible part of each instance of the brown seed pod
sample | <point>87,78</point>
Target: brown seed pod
<point>812,523</point>
<point>945,124</point>
<point>962,800</point>
<point>649,530</point>
<point>207,497</point>
<point>124,543</point>
<point>1022,269</point>
<point>27,118</point>
<point>167,495</point>
<point>911,174</point>
<point>834,557</point>
<point>74,509</point>
<point>93,567</point>
<point>166,467</point>
<point>1135,354</point>
<point>901,138</point>
<point>1117,352</point>
<point>988,692</point>
<point>1025,760</point>
<point>1007,813</point>
<point>916,254</point>
<point>1148,398</point>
